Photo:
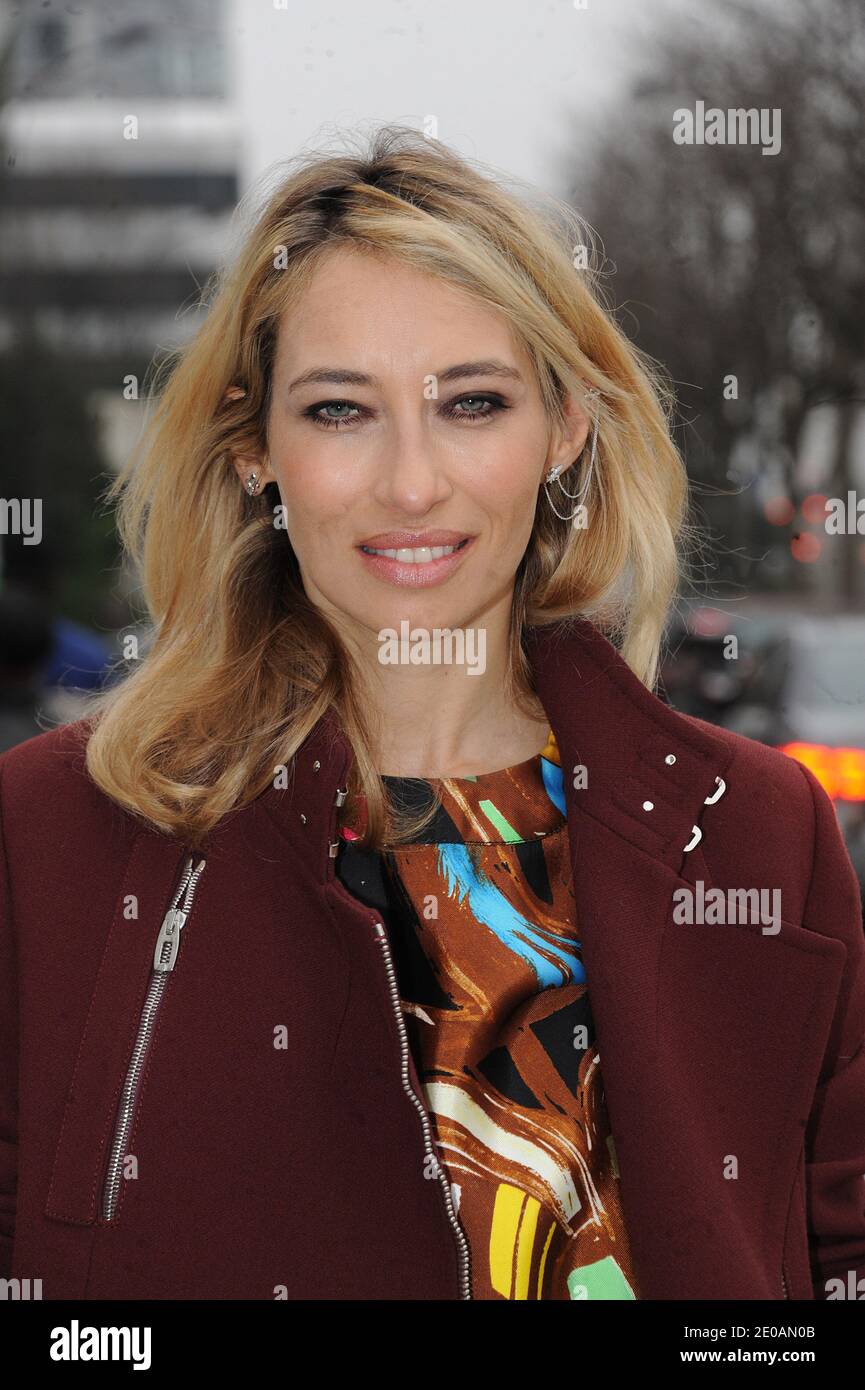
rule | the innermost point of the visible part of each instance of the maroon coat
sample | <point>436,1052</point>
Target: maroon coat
<point>264,1084</point>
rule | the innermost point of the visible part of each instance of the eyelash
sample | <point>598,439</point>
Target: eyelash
<point>492,399</point>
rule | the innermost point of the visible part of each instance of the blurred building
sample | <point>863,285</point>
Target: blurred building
<point>120,147</point>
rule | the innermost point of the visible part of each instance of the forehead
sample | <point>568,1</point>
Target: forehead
<point>358,307</point>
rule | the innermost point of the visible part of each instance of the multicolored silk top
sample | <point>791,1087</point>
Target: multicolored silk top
<point>479,911</point>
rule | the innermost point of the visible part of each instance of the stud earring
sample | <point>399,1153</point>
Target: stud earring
<point>252,484</point>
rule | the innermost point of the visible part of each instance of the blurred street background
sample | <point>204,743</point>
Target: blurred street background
<point>740,268</point>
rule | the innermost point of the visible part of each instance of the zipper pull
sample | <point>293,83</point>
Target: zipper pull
<point>168,940</point>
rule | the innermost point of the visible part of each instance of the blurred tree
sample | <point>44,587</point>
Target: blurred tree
<point>50,449</point>
<point>734,262</point>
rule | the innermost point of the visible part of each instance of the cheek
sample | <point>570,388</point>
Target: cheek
<point>506,479</point>
<point>319,497</point>
<point>508,459</point>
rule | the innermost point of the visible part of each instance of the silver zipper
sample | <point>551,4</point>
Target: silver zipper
<point>462,1243</point>
<point>164,959</point>
<point>784,1282</point>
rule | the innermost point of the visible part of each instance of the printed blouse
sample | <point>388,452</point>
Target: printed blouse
<point>479,911</point>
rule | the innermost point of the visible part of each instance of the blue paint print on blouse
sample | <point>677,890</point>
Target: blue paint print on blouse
<point>554,783</point>
<point>490,908</point>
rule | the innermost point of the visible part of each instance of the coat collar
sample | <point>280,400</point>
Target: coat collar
<point>648,770</point>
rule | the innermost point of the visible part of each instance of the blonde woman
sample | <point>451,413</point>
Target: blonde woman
<point>382,934</point>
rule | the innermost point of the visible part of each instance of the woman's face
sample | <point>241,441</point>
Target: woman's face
<point>404,417</point>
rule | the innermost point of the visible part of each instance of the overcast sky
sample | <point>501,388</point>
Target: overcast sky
<point>510,83</point>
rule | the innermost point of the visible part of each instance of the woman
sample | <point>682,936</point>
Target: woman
<point>359,937</point>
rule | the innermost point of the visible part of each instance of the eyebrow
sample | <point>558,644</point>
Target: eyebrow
<point>342,376</point>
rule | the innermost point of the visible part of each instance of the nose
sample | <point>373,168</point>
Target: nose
<point>412,473</point>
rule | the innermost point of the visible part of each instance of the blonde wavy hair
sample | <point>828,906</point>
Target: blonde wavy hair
<point>239,665</point>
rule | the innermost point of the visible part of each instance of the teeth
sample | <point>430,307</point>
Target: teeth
<point>421,556</point>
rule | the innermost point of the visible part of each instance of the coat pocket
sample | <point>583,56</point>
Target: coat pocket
<point>797,1279</point>
<point>140,956</point>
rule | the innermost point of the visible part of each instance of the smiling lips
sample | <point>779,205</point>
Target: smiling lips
<point>414,558</point>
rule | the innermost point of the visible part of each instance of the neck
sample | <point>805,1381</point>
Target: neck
<point>445,711</point>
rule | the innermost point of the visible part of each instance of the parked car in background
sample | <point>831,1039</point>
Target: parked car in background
<point>789,677</point>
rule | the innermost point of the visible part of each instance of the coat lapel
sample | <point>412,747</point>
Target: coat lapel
<point>707,1063</point>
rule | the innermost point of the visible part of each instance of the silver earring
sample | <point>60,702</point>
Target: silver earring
<point>252,484</point>
<point>553,476</point>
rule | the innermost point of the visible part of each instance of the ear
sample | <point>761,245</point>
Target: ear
<point>247,463</point>
<point>566,442</point>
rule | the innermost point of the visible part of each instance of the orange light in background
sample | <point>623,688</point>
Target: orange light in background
<point>840,771</point>
<point>779,511</point>
<point>805,548</point>
<point>851,773</point>
<point>814,508</point>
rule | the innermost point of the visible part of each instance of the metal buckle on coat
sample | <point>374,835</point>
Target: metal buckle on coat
<point>696,832</point>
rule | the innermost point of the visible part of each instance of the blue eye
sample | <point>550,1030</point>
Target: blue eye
<point>329,421</point>
<point>332,422</point>
<point>494,402</point>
